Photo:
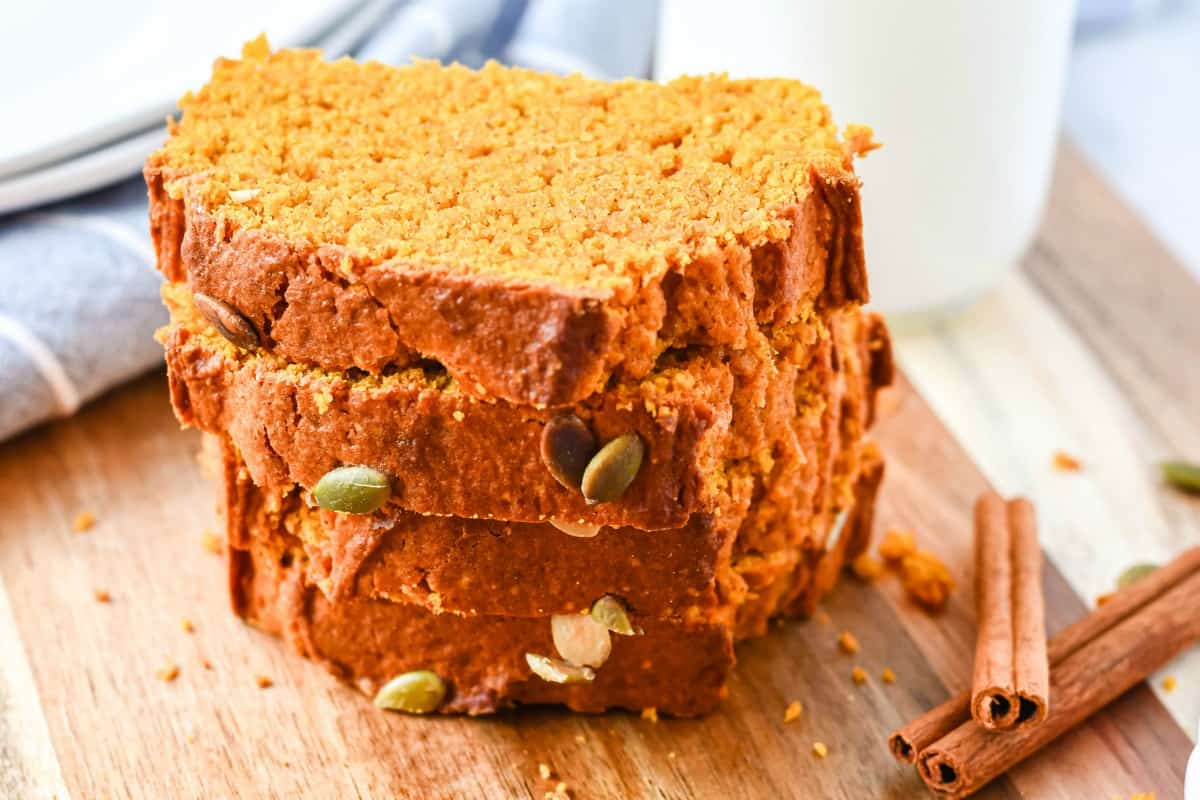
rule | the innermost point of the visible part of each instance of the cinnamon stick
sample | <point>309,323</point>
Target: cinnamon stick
<point>1083,682</point>
<point>907,743</point>
<point>1012,673</point>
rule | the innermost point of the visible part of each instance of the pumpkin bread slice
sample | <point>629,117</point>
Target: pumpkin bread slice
<point>536,235</point>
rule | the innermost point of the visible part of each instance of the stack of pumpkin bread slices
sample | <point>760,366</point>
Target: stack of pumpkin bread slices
<point>527,389</point>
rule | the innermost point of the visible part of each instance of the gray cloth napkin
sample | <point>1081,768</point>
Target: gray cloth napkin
<point>79,299</point>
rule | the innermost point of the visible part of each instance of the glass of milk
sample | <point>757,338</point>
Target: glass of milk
<point>964,97</point>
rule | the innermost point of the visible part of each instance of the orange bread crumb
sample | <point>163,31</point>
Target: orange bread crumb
<point>927,580</point>
<point>897,544</point>
<point>866,567</point>
<point>1065,462</point>
<point>211,542</point>
<point>502,171</point>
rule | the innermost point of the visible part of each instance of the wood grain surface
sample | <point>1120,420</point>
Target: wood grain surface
<point>112,729</point>
<point>82,713</point>
<point>1093,348</point>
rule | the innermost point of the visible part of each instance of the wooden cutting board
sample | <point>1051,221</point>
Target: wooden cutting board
<point>83,715</point>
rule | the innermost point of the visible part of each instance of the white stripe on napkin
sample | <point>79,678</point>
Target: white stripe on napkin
<point>46,362</point>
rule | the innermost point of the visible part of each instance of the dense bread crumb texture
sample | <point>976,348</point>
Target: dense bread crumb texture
<point>500,170</point>
<point>534,234</point>
<point>682,668</point>
<point>678,666</point>
<point>758,555</point>
<point>707,569</point>
<point>419,271</point>
<point>710,420</point>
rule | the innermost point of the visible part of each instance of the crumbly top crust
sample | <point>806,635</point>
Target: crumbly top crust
<point>521,176</point>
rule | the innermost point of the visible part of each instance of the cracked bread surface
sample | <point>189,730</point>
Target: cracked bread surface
<point>449,453</point>
<point>534,234</point>
<point>679,667</point>
<point>772,528</point>
<point>416,270</point>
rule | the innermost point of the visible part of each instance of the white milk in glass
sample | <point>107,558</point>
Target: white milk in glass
<point>964,95</point>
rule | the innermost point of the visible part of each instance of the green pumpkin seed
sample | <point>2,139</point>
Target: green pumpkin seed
<point>1182,475</point>
<point>557,671</point>
<point>610,612</point>
<point>416,692</point>
<point>352,489</point>
<point>611,470</point>
<point>567,447</point>
<point>228,321</point>
<point>1135,574</point>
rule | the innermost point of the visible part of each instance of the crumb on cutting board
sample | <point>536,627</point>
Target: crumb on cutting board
<point>866,567</point>
<point>1065,462</point>
<point>927,580</point>
<point>211,542</point>
<point>896,545</point>
<point>793,711</point>
<point>83,521</point>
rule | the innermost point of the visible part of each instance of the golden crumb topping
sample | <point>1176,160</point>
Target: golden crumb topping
<point>507,172</point>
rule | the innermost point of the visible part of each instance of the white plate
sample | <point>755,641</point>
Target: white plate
<point>124,157</point>
<point>82,74</point>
